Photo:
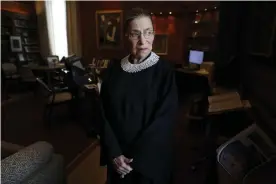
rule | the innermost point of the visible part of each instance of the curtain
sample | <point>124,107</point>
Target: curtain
<point>57,36</point>
<point>52,27</point>
<point>73,28</point>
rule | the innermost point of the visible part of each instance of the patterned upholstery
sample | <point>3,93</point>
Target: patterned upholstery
<point>34,164</point>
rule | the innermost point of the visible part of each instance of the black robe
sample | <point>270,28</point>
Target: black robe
<point>138,110</point>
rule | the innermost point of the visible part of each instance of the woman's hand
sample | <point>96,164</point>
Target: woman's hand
<point>121,164</point>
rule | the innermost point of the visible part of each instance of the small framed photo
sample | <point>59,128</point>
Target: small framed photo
<point>52,60</point>
<point>16,44</point>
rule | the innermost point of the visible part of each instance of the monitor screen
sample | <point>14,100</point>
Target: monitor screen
<point>196,57</point>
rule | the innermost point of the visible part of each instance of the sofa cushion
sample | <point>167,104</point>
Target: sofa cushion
<point>19,166</point>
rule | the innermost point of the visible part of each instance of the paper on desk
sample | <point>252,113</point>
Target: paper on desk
<point>223,97</point>
<point>224,102</point>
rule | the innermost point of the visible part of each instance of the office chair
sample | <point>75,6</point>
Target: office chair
<point>53,97</point>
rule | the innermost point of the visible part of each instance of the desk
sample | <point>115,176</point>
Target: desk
<point>201,72</point>
<point>201,75</point>
<point>47,69</point>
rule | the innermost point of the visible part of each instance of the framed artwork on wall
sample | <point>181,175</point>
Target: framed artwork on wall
<point>109,29</point>
<point>160,44</point>
<point>16,44</point>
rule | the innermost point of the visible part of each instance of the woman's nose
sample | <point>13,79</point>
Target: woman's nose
<point>142,39</point>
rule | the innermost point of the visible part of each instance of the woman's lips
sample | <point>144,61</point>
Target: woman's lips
<point>142,49</point>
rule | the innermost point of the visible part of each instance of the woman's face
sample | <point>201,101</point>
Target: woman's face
<point>140,37</point>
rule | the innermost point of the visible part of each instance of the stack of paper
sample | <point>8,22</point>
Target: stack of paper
<point>224,102</point>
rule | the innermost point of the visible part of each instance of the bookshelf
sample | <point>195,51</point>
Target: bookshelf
<point>19,38</point>
<point>203,31</point>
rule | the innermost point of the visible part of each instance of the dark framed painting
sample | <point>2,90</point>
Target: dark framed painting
<point>109,29</point>
<point>160,44</point>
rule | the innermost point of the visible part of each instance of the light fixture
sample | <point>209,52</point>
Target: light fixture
<point>205,9</point>
<point>197,11</point>
<point>170,13</point>
<point>160,13</point>
<point>215,7</point>
<point>151,13</point>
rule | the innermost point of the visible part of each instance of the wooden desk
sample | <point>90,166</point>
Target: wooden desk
<point>228,107</point>
<point>47,69</point>
<point>201,72</point>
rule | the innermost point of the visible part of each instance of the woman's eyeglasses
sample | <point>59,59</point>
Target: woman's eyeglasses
<point>136,35</point>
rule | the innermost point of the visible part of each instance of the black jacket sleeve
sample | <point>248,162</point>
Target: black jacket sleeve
<point>152,151</point>
<point>109,142</point>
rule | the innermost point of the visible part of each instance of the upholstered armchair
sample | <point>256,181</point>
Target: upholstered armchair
<point>36,163</point>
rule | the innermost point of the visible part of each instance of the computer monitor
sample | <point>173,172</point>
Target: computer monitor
<point>196,57</point>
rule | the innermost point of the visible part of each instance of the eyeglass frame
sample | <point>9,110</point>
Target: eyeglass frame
<point>140,34</point>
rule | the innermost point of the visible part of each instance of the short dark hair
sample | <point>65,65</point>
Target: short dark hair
<point>133,14</point>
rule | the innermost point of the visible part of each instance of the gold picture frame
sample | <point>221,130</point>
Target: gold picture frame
<point>109,29</point>
<point>160,44</point>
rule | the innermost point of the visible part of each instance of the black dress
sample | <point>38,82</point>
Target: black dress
<point>139,109</point>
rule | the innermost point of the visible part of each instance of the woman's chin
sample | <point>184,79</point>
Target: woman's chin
<point>144,53</point>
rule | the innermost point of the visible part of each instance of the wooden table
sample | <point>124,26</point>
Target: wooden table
<point>201,72</point>
<point>47,69</point>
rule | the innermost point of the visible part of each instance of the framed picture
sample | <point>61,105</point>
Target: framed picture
<point>16,44</point>
<point>160,44</point>
<point>52,60</point>
<point>109,29</point>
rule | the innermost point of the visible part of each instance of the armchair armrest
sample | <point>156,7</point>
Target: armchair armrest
<point>19,166</point>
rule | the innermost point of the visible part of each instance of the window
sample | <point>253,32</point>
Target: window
<point>57,27</point>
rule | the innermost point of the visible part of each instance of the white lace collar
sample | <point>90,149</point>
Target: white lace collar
<point>133,68</point>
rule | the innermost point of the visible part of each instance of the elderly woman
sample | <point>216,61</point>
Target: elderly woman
<point>139,99</point>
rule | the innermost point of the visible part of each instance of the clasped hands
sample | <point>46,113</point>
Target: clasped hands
<point>121,165</point>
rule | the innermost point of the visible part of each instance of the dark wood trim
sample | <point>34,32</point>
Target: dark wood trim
<point>79,158</point>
